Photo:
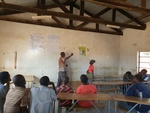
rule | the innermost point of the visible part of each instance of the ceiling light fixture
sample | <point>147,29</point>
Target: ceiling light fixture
<point>40,17</point>
<point>113,26</point>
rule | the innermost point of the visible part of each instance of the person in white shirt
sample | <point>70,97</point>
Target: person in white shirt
<point>42,97</point>
<point>62,67</point>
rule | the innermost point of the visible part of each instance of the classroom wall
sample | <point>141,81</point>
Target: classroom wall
<point>21,53</point>
<point>131,42</point>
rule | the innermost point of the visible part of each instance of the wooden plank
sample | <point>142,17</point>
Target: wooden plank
<point>143,3</point>
<point>61,6</point>
<point>118,97</point>
<point>132,17</point>
<point>120,5</point>
<point>82,7</point>
<point>66,15</point>
<point>59,22</point>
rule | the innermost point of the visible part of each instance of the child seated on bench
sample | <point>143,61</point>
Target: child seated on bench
<point>136,89</point>
<point>85,88</point>
<point>64,88</point>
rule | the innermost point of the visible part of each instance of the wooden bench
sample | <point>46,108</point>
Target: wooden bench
<point>79,108</point>
<point>79,97</point>
<point>109,90</point>
<point>120,108</point>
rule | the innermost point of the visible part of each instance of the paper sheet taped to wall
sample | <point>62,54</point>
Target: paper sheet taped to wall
<point>53,43</point>
<point>37,41</point>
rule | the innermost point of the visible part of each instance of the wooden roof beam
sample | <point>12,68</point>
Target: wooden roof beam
<point>82,7</point>
<point>94,16</point>
<point>61,6</point>
<point>132,18</point>
<point>143,3</point>
<point>59,22</point>
<point>71,10</point>
<point>66,15</point>
<point>120,5</point>
<point>58,26</point>
<point>113,15</point>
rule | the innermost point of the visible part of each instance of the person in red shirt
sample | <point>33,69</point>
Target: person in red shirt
<point>85,88</point>
<point>90,71</point>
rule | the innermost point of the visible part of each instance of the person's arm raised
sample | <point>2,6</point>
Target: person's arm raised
<point>69,56</point>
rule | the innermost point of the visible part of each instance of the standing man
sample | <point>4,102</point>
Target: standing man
<point>62,67</point>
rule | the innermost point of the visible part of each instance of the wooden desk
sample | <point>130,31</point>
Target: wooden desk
<point>107,78</point>
<point>110,84</point>
<point>90,97</point>
<point>138,100</point>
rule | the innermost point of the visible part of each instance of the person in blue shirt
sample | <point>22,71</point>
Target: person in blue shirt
<point>143,73</point>
<point>137,89</point>
<point>4,79</point>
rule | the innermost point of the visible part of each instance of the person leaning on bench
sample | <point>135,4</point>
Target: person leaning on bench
<point>65,88</point>
<point>42,97</point>
<point>17,97</point>
<point>137,89</point>
<point>85,88</point>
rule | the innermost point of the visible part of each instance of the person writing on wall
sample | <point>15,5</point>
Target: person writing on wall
<point>90,71</point>
<point>62,67</point>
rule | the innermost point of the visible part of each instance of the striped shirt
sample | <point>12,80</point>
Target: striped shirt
<point>65,89</point>
<point>17,97</point>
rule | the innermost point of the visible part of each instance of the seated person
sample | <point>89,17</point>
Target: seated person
<point>42,97</point>
<point>4,79</point>
<point>17,98</point>
<point>128,77</point>
<point>85,88</point>
<point>64,88</point>
<point>136,89</point>
<point>143,73</point>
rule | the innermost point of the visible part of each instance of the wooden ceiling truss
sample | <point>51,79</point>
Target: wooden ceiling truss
<point>84,16</point>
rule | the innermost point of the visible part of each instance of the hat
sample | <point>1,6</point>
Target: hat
<point>92,61</point>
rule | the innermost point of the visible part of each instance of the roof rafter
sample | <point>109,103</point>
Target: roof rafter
<point>56,25</point>
<point>120,5</point>
<point>66,15</point>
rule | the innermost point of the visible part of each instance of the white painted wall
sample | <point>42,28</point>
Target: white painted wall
<point>130,43</point>
<point>14,37</point>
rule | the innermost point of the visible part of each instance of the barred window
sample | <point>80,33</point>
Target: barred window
<point>144,61</point>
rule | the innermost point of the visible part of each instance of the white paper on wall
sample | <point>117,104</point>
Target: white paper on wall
<point>52,43</point>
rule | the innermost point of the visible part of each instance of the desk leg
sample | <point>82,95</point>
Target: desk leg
<point>73,105</point>
<point>115,106</point>
<point>108,107</point>
<point>107,88</point>
<point>119,88</point>
<point>132,108</point>
<point>54,107</point>
<point>98,88</point>
<point>59,108</point>
<point>95,106</point>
